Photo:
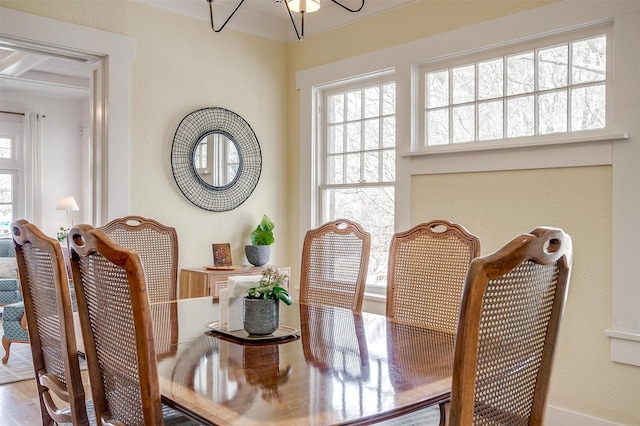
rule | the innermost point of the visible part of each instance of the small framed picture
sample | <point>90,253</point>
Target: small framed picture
<point>222,254</point>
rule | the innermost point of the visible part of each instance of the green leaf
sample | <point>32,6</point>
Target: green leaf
<point>266,224</point>
<point>263,235</point>
<point>285,297</point>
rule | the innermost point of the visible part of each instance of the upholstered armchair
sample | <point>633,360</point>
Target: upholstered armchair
<point>9,288</point>
<point>14,324</point>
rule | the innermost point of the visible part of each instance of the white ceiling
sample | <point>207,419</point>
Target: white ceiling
<point>270,19</point>
<point>25,70</point>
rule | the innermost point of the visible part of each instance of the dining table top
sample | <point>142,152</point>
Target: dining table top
<point>338,367</point>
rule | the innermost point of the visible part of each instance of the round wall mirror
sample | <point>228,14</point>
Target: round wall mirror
<point>215,159</point>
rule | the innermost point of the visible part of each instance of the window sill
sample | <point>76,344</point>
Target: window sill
<point>625,346</point>
<point>512,143</point>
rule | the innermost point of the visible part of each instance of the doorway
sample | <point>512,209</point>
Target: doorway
<point>57,152</point>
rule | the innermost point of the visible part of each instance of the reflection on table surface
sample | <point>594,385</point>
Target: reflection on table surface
<point>345,368</point>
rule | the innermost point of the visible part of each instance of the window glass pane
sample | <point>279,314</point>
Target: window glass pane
<point>490,79</point>
<point>354,137</point>
<point>589,60</point>
<point>588,108</point>
<point>354,105</point>
<point>464,122</point>
<point>372,134</point>
<point>464,84</point>
<point>553,67</point>
<point>438,127</point>
<point>335,139</point>
<point>389,99</point>
<point>5,148</point>
<point>373,209</point>
<point>552,112</point>
<point>335,108</point>
<point>372,166</point>
<point>437,89</point>
<point>389,132</point>
<point>520,117</point>
<point>490,126</point>
<point>334,169</point>
<point>372,101</point>
<point>353,168</point>
<point>388,165</point>
<point>520,73</point>
<point>6,188</point>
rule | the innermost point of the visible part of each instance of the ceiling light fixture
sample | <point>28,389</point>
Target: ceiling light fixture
<point>298,6</point>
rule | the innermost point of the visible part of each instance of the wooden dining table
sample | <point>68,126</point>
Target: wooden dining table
<point>338,367</point>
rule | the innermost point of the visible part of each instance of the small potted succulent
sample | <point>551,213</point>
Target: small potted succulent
<point>259,251</point>
<point>261,307</point>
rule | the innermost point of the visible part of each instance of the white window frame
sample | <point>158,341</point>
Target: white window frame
<point>619,146</point>
<point>14,165</point>
<point>503,51</point>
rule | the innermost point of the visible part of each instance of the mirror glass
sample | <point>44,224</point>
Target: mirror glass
<point>216,159</point>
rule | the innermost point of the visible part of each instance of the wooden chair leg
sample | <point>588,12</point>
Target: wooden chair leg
<point>6,344</point>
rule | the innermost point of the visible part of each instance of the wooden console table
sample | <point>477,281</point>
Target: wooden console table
<point>199,282</point>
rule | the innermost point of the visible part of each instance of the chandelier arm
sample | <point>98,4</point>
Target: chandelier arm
<point>228,19</point>
<point>295,27</point>
<point>347,8</point>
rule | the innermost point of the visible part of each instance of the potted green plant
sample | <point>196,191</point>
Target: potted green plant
<point>259,251</point>
<point>261,307</point>
<point>62,233</point>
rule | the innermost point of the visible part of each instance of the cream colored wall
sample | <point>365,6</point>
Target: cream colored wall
<point>181,65</point>
<point>497,206</point>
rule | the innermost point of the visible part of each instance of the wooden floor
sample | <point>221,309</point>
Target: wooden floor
<point>19,402</point>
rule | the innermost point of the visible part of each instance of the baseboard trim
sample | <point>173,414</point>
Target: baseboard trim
<point>556,416</point>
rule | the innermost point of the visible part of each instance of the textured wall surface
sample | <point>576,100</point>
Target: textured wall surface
<point>497,206</point>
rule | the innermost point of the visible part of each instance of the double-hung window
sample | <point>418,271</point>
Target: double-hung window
<point>357,164</point>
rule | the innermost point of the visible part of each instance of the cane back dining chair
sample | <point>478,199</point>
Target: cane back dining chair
<point>427,267</point>
<point>115,316</point>
<point>510,314</point>
<point>335,259</point>
<point>157,246</point>
<point>48,308</point>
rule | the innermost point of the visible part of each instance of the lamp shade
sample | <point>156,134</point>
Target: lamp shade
<point>68,203</point>
<point>306,6</point>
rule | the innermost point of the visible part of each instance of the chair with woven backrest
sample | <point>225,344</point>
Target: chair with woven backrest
<point>335,259</point>
<point>157,246</point>
<point>49,313</point>
<point>510,315</point>
<point>427,267</point>
<point>115,316</point>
